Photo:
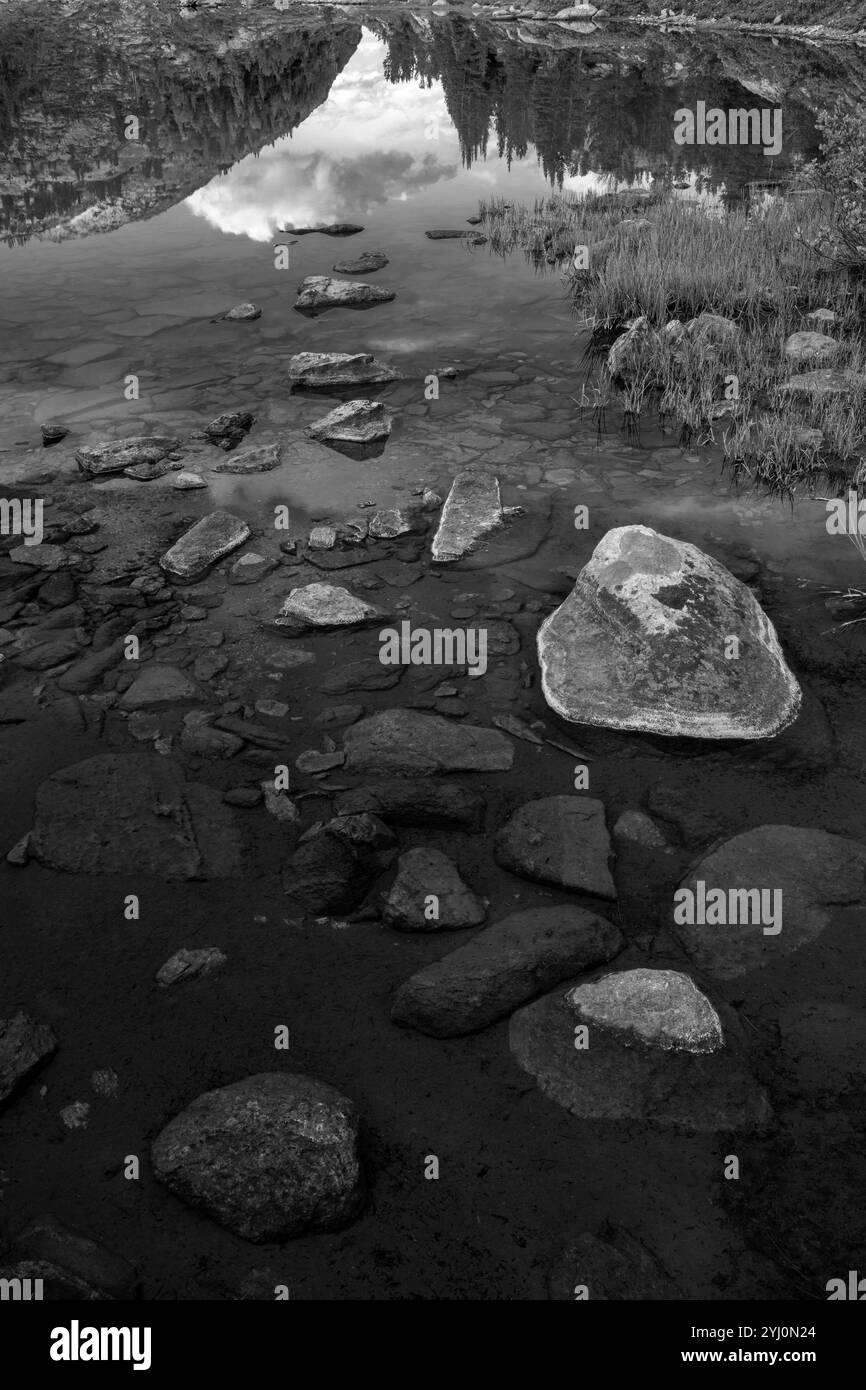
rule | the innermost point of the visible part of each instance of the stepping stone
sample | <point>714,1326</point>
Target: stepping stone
<point>327,369</point>
<point>561,840</point>
<point>326,606</point>
<point>358,428</point>
<point>119,454</point>
<point>472,508</point>
<point>260,458</point>
<point>503,967</point>
<point>203,544</point>
<point>319,292</point>
<point>643,642</point>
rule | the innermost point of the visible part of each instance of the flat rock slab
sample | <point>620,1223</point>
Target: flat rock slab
<point>425,874</point>
<point>816,875</point>
<point>405,742</point>
<point>471,238</point>
<point>203,544</point>
<point>501,968</point>
<point>421,801</point>
<point>25,1046</point>
<point>364,264</point>
<point>355,427</point>
<point>119,454</point>
<point>157,685</point>
<point>561,840</point>
<point>133,814</point>
<point>270,1157</point>
<point>641,641</point>
<point>327,369</point>
<point>472,508</point>
<point>611,1079</point>
<point>319,292</point>
<point>662,1008</point>
<point>327,229</point>
<point>260,458</point>
<point>611,1266</point>
<point>327,606</point>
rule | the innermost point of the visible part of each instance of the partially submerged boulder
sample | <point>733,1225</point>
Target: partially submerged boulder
<point>203,544</point>
<point>657,636</point>
<point>328,369</point>
<point>319,292</point>
<point>119,454</point>
<point>358,428</point>
<point>472,508</point>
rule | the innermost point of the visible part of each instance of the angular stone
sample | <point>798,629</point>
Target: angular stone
<point>203,544</point>
<point>389,523</point>
<point>133,814</point>
<point>270,1157</point>
<point>364,264</point>
<point>423,872</point>
<point>561,840</point>
<point>312,761</point>
<point>609,1080</point>
<point>817,874</point>
<point>188,482</point>
<point>319,292</point>
<point>38,557</point>
<point>118,454</point>
<point>156,685</point>
<point>326,369</point>
<point>472,508</point>
<point>641,641</point>
<point>404,742</point>
<point>421,801</point>
<point>258,458</point>
<point>148,472</point>
<point>322,538</point>
<point>661,1008</point>
<point>25,1046</point>
<point>186,965</point>
<point>327,605</point>
<point>632,350</point>
<point>356,426</point>
<point>43,656</point>
<point>501,968</point>
<point>202,741</point>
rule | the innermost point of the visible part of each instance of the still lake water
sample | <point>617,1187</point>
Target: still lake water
<point>117,259</point>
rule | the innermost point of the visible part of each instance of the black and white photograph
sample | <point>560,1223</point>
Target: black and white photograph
<point>432,668</point>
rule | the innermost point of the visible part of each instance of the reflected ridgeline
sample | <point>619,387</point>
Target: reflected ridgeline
<point>605,102</point>
<point>206,90</point>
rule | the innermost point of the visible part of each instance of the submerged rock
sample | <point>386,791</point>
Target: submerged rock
<point>429,895</point>
<point>786,881</point>
<point>186,965</point>
<point>227,430</point>
<point>119,454</point>
<point>159,685</point>
<point>473,238</point>
<point>244,312</point>
<point>643,642</point>
<point>501,968</point>
<point>327,229</point>
<point>250,567</point>
<point>561,840</point>
<point>203,544</point>
<point>611,1266</point>
<point>662,1008</point>
<point>472,508</point>
<point>421,801</point>
<point>365,264</point>
<point>326,369</point>
<point>405,742</point>
<point>133,814</point>
<point>188,482</point>
<point>319,292</point>
<point>25,1046</point>
<point>390,523</point>
<point>259,458</point>
<point>359,428</point>
<point>270,1157</point>
<point>596,1073</point>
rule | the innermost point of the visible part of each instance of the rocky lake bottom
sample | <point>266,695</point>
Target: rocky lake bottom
<point>238,1045</point>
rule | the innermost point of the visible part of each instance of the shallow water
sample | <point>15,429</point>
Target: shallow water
<point>350,142</point>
